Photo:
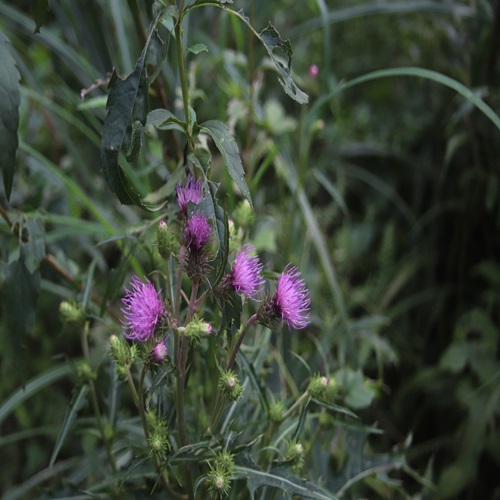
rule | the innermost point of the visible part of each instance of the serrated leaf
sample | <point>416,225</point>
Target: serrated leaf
<point>39,11</point>
<point>228,148</point>
<point>359,464</point>
<point>127,103</point>
<point>9,114</point>
<point>279,50</point>
<point>75,406</point>
<point>281,478</point>
<point>33,244</point>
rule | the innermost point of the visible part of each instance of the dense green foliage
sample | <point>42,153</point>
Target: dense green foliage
<point>383,188</point>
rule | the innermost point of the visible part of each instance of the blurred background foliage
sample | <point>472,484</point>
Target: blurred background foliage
<point>386,194</point>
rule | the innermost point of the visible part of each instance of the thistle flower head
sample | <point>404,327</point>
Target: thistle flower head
<point>191,192</point>
<point>246,276</point>
<point>197,232</point>
<point>291,300</point>
<point>142,309</point>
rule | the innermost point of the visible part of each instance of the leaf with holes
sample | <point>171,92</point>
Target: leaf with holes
<point>128,103</point>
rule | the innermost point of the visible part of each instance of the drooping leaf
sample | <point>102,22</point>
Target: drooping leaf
<point>128,103</point>
<point>228,148</point>
<point>75,406</point>
<point>279,50</point>
<point>9,114</point>
<point>39,11</point>
<point>162,119</point>
<point>281,478</point>
<point>33,243</point>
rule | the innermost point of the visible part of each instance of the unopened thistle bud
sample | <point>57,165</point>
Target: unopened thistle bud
<point>165,238</point>
<point>295,455</point>
<point>276,412</point>
<point>219,484</point>
<point>158,435</point>
<point>244,214</point>
<point>195,330</point>
<point>71,313</point>
<point>317,386</point>
<point>230,385</point>
<point>159,353</point>
<point>85,373</point>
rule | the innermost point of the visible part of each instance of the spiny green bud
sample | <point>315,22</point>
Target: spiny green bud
<point>196,330</point>
<point>332,388</point>
<point>85,373</point>
<point>219,483</point>
<point>71,313</point>
<point>230,385</point>
<point>225,462</point>
<point>276,412</point>
<point>165,238</point>
<point>317,386</point>
<point>295,455</point>
<point>158,442</point>
<point>244,214</point>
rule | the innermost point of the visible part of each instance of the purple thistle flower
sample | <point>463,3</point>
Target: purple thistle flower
<point>291,300</point>
<point>191,192</point>
<point>143,310</point>
<point>197,232</point>
<point>245,276</point>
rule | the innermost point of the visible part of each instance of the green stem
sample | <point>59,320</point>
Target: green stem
<point>181,63</point>
<point>95,404</point>
<point>250,321</point>
<point>218,407</point>
<point>296,405</point>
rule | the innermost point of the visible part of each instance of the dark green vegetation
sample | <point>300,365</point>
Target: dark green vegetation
<point>384,189</point>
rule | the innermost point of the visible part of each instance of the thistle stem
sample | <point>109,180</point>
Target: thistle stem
<point>95,404</point>
<point>250,321</point>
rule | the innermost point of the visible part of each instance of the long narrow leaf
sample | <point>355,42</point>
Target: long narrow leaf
<point>419,73</point>
<point>36,384</point>
<point>68,421</point>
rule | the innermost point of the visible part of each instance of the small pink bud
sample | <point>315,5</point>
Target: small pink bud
<point>159,353</point>
<point>313,71</point>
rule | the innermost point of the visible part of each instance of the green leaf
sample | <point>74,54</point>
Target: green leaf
<point>334,407</point>
<point>20,297</point>
<point>228,148</point>
<point>128,103</point>
<point>359,464</point>
<point>9,114</point>
<point>281,478</point>
<point>39,10</point>
<point>33,244</point>
<point>162,119</point>
<point>32,387</point>
<point>357,394</point>
<point>75,406</point>
<point>419,73</point>
<point>279,50</point>
<point>197,48</point>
